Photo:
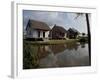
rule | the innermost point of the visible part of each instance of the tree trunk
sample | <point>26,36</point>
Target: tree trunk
<point>89,37</point>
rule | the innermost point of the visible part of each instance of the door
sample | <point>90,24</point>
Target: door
<point>38,34</point>
<point>43,34</point>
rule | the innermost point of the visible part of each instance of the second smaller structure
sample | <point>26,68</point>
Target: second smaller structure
<point>58,32</point>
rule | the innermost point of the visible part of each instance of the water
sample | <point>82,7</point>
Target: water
<point>51,56</point>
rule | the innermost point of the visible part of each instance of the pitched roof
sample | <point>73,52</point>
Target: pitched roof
<point>59,28</point>
<point>38,25</point>
<point>73,30</point>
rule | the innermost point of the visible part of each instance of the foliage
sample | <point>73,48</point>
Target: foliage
<point>30,58</point>
<point>83,34</point>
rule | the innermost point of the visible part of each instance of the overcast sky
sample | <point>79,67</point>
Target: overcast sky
<point>64,19</point>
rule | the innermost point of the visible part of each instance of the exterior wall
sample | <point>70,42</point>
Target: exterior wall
<point>65,36</point>
<point>41,34</point>
<point>32,33</point>
<point>57,35</point>
<point>47,34</point>
<point>35,34</point>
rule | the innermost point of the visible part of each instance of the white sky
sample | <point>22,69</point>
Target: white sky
<point>64,19</point>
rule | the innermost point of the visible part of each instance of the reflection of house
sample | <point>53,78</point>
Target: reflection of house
<point>42,51</point>
<point>58,32</point>
<point>72,33</point>
<point>37,29</point>
<point>58,48</point>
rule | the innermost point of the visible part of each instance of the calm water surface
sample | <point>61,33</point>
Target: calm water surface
<point>49,56</point>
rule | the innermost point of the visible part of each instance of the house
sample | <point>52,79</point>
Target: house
<point>58,32</point>
<point>72,33</point>
<point>83,35</point>
<point>37,29</point>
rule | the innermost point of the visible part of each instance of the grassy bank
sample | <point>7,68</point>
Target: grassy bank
<point>51,42</point>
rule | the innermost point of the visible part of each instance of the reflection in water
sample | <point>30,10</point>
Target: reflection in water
<point>62,55</point>
<point>82,45</point>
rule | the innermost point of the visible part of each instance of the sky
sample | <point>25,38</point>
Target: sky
<point>64,19</point>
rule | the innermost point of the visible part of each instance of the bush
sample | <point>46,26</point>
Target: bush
<point>83,40</point>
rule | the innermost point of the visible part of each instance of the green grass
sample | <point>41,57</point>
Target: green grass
<point>51,42</point>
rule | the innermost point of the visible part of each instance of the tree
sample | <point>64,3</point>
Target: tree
<point>88,30</point>
<point>83,34</point>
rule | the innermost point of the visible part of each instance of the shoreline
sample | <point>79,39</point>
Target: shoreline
<point>51,42</point>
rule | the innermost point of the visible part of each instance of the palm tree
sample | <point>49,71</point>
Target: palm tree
<point>88,30</point>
